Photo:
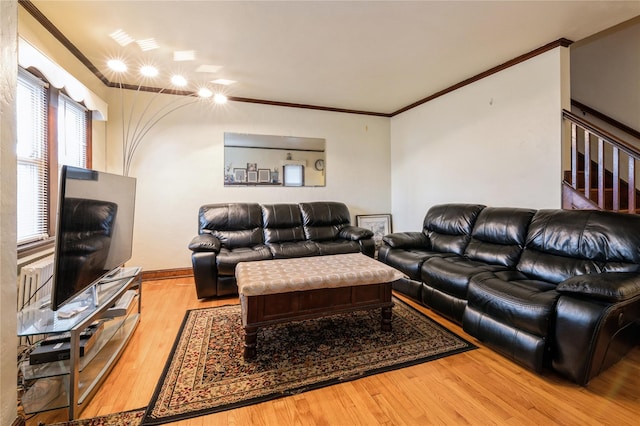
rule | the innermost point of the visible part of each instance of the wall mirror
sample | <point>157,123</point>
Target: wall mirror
<point>265,160</point>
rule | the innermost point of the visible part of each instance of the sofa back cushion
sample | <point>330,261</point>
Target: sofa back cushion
<point>323,220</point>
<point>499,235</point>
<point>282,223</point>
<point>564,243</point>
<point>234,224</point>
<point>449,226</point>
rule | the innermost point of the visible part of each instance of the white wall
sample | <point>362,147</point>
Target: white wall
<point>180,166</point>
<point>8,76</point>
<point>496,142</point>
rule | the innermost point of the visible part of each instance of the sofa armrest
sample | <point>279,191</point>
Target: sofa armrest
<point>205,242</point>
<point>607,286</point>
<point>407,240</point>
<point>355,233</point>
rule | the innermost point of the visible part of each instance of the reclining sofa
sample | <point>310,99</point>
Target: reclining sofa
<point>236,232</point>
<point>556,289</point>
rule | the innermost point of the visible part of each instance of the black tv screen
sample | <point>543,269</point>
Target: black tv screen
<point>94,232</point>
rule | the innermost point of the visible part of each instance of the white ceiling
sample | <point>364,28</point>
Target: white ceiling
<point>375,56</point>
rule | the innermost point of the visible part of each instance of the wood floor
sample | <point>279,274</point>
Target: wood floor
<point>476,387</point>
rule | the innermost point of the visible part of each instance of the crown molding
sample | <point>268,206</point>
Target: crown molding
<point>48,25</point>
<point>562,42</point>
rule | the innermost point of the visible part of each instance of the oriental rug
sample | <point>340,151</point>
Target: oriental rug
<point>126,418</point>
<point>206,372</point>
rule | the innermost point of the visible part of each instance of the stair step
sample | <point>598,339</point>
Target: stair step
<point>608,197</point>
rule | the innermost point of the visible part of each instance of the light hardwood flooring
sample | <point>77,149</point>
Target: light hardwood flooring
<point>478,387</point>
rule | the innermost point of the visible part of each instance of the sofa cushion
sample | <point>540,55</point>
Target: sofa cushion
<point>451,274</point>
<point>227,259</point>
<point>449,226</point>
<point>499,235</point>
<point>282,223</point>
<point>515,300</point>
<point>408,261</point>
<point>323,220</point>
<point>234,224</point>
<point>337,247</point>
<point>564,243</point>
<point>289,249</point>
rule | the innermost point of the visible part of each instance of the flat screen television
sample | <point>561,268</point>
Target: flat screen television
<point>94,231</point>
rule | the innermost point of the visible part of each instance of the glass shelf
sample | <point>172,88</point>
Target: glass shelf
<point>39,319</point>
<point>71,382</point>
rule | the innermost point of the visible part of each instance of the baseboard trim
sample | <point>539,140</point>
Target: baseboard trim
<point>166,274</point>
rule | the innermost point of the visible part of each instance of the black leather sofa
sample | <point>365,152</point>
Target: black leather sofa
<point>236,232</point>
<point>556,289</point>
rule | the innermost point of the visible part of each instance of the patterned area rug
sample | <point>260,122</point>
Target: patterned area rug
<point>127,418</point>
<point>206,372</point>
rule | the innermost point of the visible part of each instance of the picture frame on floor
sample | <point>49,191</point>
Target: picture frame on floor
<point>379,224</point>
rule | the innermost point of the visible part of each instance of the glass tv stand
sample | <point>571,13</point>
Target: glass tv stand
<point>73,381</point>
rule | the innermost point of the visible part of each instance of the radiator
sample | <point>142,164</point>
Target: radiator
<point>34,282</point>
<point>34,286</point>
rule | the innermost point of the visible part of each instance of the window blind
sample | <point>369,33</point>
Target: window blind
<point>72,132</point>
<point>31,150</point>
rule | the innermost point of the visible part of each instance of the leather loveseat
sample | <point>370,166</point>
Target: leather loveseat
<point>236,232</point>
<point>556,289</point>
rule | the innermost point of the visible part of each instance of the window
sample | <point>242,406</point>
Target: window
<point>293,175</point>
<point>45,142</point>
<point>32,149</point>
<point>72,132</point>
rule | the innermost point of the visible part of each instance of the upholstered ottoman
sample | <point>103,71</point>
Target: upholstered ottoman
<point>282,290</point>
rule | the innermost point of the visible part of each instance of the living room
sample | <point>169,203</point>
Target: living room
<point>375,164</point>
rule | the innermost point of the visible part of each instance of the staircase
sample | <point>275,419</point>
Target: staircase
<point>603,170</point>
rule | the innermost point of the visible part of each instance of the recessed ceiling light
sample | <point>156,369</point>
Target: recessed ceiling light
<point>219,98</point>
<point>223,81</point>
<point>148,71</point>
<point>121,37</point>
<point>184,55</point>
<point>203,92</point>
<point>209,68</point>
<point>117,65</point>
<point>147,44</point>
<point>178,80</point>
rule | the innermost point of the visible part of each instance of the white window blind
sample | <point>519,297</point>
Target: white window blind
<point>34,167</point>
<point>32,158</point>
<point>72,132</point>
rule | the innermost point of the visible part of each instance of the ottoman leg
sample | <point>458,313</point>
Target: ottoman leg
<point>250,339</point>
<point>386,319</point>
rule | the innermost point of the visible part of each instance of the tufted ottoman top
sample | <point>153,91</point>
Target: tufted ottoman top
<point>309,273</point>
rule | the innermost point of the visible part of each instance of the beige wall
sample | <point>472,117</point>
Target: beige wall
<point>496,142</point>
<point>8,75</point>
<point>180,166</point>
<point>30,30</point>
<point>605,72</point>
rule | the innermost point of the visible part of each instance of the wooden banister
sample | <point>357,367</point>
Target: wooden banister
<point>607,196</point>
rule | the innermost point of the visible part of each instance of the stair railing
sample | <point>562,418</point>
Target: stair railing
<point>586,134</point>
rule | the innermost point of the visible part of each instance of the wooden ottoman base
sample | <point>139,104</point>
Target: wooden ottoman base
<point>263,310</point>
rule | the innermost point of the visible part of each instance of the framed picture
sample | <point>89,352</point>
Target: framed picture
<point>240,175</point>
<point>252,176</point>
<point>264,175</point>
<point>252,167</point>
<point>379,224</point>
